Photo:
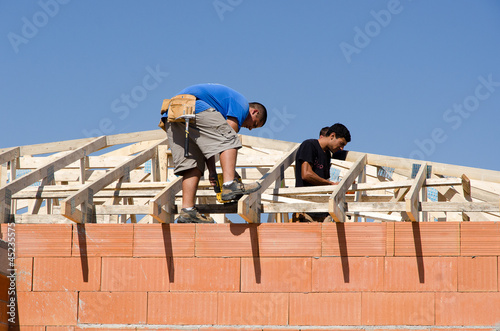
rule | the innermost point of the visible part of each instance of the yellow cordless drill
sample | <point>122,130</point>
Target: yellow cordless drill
<point>218,187</point>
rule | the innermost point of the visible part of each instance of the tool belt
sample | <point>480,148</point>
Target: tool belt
<point>177,107</point>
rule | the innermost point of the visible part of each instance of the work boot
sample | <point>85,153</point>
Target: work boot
<point>193,216</point>
<point>236,189</point>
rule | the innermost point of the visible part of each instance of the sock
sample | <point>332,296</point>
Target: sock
<point>188,208</point>
<point>227,183</point>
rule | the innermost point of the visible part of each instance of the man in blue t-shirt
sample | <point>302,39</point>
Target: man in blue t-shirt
<point>220,113</point>
<point>313,161</point>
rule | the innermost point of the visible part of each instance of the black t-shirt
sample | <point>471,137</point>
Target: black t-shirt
<point>310,151</point>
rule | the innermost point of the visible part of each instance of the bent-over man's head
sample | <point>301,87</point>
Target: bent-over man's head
<point>257,116</point>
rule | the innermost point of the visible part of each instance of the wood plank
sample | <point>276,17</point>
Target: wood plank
<point>9,154</point>
<point>337,198</point>
<point>257,142</point>
<point>249,205</point>
<point>122,138</point>
<point>86,193</point>
<point>411,198</point>
<point>383,207</point>
<point>165,198</point>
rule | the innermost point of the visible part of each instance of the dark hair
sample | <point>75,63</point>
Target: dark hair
<point>323,131</point>
<point>340,131</point>
<point>262,109</point>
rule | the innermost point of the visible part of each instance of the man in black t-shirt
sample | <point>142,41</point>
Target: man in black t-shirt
<point>313,160</point>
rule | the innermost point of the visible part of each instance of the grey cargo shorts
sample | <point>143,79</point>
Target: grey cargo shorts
<point>209,135</point>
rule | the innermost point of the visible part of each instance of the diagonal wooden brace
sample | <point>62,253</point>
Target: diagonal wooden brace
<point>336,203</point>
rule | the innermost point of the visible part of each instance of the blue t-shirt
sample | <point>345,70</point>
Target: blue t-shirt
<point>222,98</point>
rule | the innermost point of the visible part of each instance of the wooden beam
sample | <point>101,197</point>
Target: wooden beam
<point>382,207</point>
<point>411,198</point>
<point>122,138</point>
<point>9,154</point>
<point>165,198</point>
<point>249,205</point>
<point>86,193</point>
<point>337,198</point>
<point>256,142</point>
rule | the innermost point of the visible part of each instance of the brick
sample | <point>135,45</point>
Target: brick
<point>480,238</point>
<point>289,239</point>
<point>162,240</point>
<point>420,274</point>
<point>95,239</point>
<point>478,308</point>
<point>348,274</point>
<point>477,273</point>
<point>275,274</point>
<point>381,308</point>
<point>252,308</point>
<point>60,328</point>
<point>325,309</point>
<point>24,273</point>
<point>43,240</point>
<point>354,239</point>
<point>30,328</point>
<point>228,240</point>
<point>112,307</point>
<point>427,239</point>
<point>205,274</point>
<point>47,308</point>
<point>135,274</point>
<point>390,238</point>
<point>182,308</point>
<point>66,274</point>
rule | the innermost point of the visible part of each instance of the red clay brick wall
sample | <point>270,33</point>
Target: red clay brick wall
<point>258,277</point>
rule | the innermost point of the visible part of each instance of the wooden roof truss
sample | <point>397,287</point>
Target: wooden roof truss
<point>129,178</point>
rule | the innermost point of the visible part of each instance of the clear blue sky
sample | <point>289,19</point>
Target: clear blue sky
<point>416,79</point>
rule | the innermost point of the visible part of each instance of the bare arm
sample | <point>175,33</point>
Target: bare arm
<point>311,177</point>
<point>233,123</point>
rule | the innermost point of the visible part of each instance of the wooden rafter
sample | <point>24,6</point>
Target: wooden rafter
<point>337,199</point>
<point>249,205</point>
<point>411,198</point>
<point>165,198</point>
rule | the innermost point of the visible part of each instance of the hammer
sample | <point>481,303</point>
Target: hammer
<point>187,117</point>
